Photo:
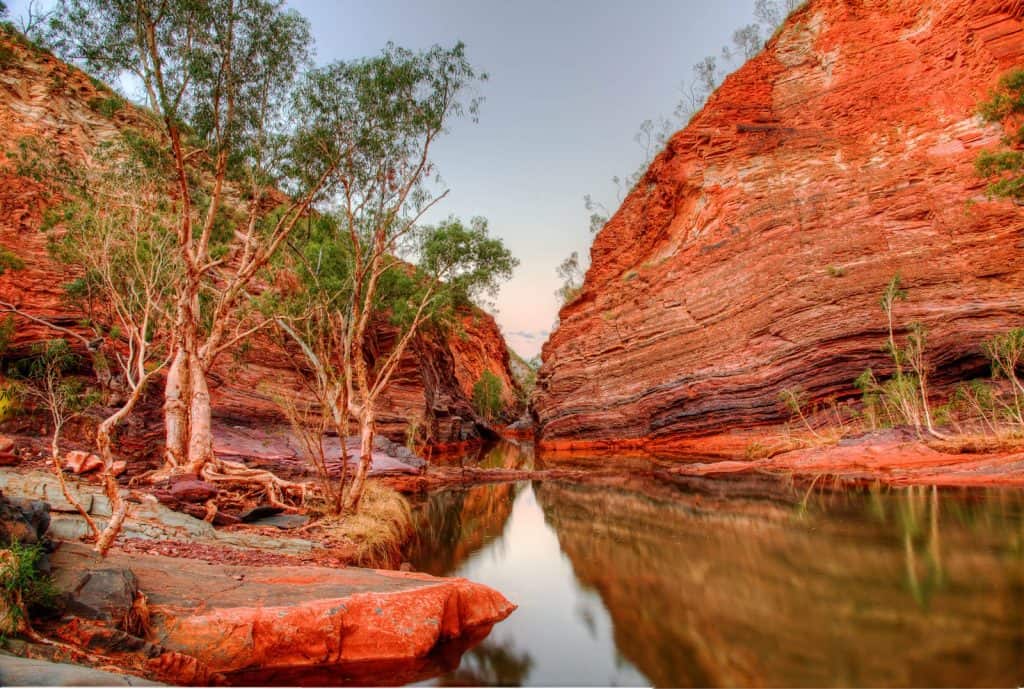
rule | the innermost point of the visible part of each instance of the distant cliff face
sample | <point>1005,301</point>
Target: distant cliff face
<point>43,98</point>
<point>751,256</point>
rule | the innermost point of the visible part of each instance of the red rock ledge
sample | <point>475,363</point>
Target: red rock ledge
<point>236,618</point>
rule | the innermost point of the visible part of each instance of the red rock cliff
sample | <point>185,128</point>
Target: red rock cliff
<point>751,256</point>
<point>42,97</point>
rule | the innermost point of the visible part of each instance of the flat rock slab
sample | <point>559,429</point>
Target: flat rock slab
<point>16,671</point>
<point>280,445</point>
<point>282,521</point>
<point>147,519</point>
<point>234,618</point>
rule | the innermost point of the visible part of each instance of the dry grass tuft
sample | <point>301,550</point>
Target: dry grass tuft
<point>787,441</point>
<point>378,530</point>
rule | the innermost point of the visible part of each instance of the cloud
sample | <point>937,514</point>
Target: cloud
<point>526,343</point>
<point>537,335</point>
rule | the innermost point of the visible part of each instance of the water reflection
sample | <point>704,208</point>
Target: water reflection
<point>562,633</point>
<point>825,587</point>
<point>833,593</point>
<point>452,525</point>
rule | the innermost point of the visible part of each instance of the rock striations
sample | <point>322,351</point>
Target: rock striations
<point>43,98</point>
<point>752,254</point>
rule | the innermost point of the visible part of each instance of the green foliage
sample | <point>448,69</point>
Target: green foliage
<point>23,586</point>
<point>108,107</point>
<point>525,372</point>
<point>7,330</point>
<point>463,261</point>
<point>1006,352</point>
<point>45,376</point>
<point>49,355</point>
<point>269,45</point>
<point>1005,167</point>
<point>147,151</point>
<point>836,271</point>
<point>7,56</point>
<point>571,275</point>
<point>902,398</point>
<point>487,396</point>
<point>9,260</point>
<point>795,399</point>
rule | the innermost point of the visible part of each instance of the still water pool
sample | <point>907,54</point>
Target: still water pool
<point>734,583</point>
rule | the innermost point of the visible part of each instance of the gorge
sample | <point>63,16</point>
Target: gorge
<point>775,437</point>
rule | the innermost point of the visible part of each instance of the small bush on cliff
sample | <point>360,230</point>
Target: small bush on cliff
<point>1006,352</point>
<point>22,587</point>
<point>571,274</point>
<point>796,400</point>
<point>487,396</point>
<point>9,261</point>
<point>903,398</point>
<point>108,107</point>
<point>1005,167</point>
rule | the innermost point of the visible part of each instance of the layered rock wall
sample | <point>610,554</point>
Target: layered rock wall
<point>751,256</point>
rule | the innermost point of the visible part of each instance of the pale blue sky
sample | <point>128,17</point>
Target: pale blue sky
<point>570,83</point>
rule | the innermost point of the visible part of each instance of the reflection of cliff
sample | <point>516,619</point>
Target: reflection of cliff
<point>507,455</point>
<point>890,590</point>
<point>452,525</point>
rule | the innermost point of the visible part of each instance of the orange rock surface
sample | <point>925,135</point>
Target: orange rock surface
<point>751,256</point>
<point>281,617</point>
<point>42,98</point>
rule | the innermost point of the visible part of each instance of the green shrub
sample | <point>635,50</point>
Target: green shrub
<point>108,107</point>
<point>487,396</point>
<point>7,56</point>
<point>9,261</point>
<point>23,587</point>
<point>1006,352</point>
<point>1005,166</point>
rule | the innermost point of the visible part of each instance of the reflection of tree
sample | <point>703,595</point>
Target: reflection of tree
<point>451,525</point>
<point>490,664</point>
<point>926,578</point>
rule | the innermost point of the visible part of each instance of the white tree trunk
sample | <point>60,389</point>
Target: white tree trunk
<point>366,422</point>
<point>176,411</point>
<point>200,441</point>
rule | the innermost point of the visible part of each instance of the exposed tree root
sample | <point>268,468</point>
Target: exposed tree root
<point>288,495</point>
<point>276,488</point>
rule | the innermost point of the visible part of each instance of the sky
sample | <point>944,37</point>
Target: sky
<point>570,83</point>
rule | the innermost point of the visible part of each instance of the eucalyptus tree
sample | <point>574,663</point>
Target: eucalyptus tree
<point>219,78</point>
<point>374,261</point>
<point>119,235</point>
<point>111,223</point>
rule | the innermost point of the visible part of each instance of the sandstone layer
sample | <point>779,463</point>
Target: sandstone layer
<point>46,100</point>
<point>751,256</point>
